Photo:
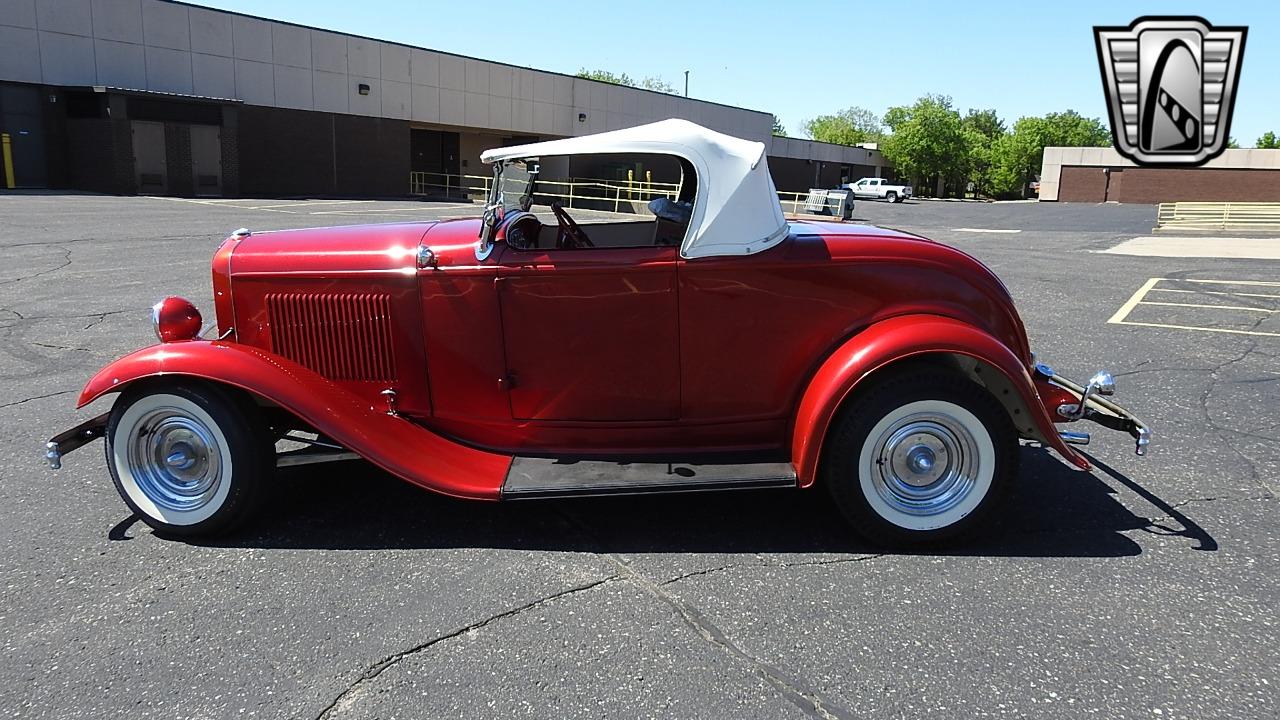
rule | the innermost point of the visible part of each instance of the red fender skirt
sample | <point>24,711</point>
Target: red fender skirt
<point>394,444</point>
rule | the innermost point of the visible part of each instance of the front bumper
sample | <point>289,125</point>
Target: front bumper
<point>77,437</point>
<point>1067,401</point>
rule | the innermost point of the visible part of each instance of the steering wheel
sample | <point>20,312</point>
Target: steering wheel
<point>569,234</point>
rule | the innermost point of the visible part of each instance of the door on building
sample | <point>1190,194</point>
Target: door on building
<point>20,118</point>
<point>435,153</point>
<point>1115,178</point>
<point>206,160</point>
<point>149,158</point>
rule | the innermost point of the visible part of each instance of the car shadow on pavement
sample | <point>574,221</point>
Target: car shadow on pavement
<point>1056,512</point>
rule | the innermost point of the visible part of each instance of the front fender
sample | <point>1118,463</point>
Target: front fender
<point>896,339</point>
<point>392,443</point>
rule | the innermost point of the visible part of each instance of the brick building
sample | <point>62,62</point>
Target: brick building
<point>1073,174</point>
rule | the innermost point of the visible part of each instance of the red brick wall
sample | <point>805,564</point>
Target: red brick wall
<point>1082,184</point>
<point>1155,185</point>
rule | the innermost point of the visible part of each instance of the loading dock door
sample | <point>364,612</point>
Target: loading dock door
<point>206,160</point>
<point>20,117</point>
<point>149,158</point>
<point>433,151</point>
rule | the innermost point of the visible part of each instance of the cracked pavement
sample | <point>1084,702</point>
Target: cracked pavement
<point>1145,588</point>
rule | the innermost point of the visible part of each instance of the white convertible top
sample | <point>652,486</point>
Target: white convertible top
<point>736,209</point>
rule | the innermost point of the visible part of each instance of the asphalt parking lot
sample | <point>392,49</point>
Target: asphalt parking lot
<point>1147,588</point>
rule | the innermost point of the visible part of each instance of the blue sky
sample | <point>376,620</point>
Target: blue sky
<point>1021,58</point>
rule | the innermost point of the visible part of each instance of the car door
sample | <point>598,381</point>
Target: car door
<point>860,188</point>
<point>591,334</point>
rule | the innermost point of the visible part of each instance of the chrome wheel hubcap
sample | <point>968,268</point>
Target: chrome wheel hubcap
<point>175,459</point>
<point>925,464</point>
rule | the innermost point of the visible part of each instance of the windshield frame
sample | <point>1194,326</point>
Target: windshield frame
<point>497,207</point>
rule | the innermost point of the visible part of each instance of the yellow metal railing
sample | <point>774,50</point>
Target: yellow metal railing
<point>1218,216</point>
<point>6,157</point>
<point>424,183</point>
<point>573,193</point>
<point>587,194</point>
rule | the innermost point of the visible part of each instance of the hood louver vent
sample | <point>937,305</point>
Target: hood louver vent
<point>342,336</point>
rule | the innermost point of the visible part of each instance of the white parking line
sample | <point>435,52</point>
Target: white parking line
<point>986,230</point>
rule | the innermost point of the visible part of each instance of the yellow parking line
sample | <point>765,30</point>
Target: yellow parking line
<point>1189,327</point>
<point>1217,292</point>
<point>424,209</point>
<point>1229,282</point>
<point>1215,307</point>
<point>1133,301</point>
<point>308,203</point>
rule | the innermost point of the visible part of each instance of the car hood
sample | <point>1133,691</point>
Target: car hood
<point>350,248</point>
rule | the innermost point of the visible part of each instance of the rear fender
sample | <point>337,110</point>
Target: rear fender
<point>919,336</point>
<point>393,443</point>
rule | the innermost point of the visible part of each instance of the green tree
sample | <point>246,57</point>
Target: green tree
<point>606,76</point>
<point>850,126</point>
<point>1268,141</point>
<point>1017,156</point>
<point>778,128</point>
<point>985,122</point>
<point>656,84</point>
<point>982,128</point>
<point>929,140</point>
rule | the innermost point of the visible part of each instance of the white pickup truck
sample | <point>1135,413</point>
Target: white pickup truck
<point>879,188</point>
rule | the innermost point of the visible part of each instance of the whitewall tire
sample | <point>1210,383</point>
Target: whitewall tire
<point>922,457</point>
<point>187,459</point>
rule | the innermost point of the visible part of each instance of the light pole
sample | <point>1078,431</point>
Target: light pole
<point>686,83</point>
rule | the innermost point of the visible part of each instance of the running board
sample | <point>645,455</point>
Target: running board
<point>531,477</point>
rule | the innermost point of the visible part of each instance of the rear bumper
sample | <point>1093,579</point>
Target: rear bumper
<point>1062,398</point>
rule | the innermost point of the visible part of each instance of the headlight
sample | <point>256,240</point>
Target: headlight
<point>176,319</point>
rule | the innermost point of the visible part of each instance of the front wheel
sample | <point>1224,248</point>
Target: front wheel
<point>892,197</point>
<point>923,457</point>
<point>187,459</point>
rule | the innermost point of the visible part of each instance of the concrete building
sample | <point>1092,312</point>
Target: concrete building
<point>1074,174</point>
<point>162,97</point>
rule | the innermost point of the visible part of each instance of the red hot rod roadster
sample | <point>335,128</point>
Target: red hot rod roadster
<point>714,345</point>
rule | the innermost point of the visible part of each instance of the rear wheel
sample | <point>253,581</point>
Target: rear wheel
<point>924,457</point>
<point>188,459</point>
